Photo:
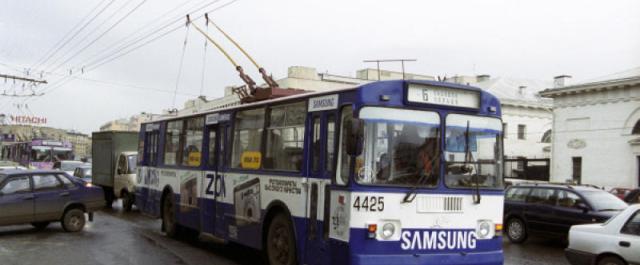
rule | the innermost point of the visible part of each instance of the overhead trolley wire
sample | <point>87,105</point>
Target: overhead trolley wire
<point>103,34</point>
<point>96,28</point>
<point>184,49</point>
<point>115,55</point>
<point>42,59</point>
<point>78,31</point>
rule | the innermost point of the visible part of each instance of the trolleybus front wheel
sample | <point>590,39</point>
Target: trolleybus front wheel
<point>280,244</point>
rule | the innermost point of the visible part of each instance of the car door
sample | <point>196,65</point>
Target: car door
<point>629,242</point>
<point>539,211</point>
<point>51,196</point>
<point>16,201</point>
<point>567,211</point>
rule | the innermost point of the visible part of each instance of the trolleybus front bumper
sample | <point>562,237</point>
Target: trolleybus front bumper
<point>492,257</point>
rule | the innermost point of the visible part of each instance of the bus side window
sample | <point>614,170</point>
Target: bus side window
<point>172,154</point>
<point>222,155</point>
<point>192,142</point>
<point>331,151</point>
<point>316,144</point>
<point>247,139</point>
<point>212,147</point>
<point>344,160</point>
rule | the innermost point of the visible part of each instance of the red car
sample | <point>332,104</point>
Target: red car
<point>620,192</point>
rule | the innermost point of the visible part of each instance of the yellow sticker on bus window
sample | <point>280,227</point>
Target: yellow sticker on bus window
<point>250,160</point>
<point>194,159</point>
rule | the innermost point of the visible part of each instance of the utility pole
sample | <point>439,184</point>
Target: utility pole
<point>26,79</point>
<point>390,60</point>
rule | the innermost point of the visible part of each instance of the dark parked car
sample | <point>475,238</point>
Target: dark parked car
<point>633,197</point>
<point>551,209</point>
<point>40,197</point>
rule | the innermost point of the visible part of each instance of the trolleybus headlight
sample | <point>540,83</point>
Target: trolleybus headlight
<point>483,231</point>
<point>388,230</point>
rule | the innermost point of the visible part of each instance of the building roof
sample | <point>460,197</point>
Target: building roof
<point>507,89</point>
<point>629,77</point>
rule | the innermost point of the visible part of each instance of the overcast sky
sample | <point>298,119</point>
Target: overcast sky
<point>528,39</point>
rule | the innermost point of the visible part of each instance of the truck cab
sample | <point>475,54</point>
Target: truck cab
<point>125,178</point>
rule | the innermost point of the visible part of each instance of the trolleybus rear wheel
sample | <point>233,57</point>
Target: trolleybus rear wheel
<point>281,248</point>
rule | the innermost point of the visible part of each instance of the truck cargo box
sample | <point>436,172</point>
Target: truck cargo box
<point>105,148</point>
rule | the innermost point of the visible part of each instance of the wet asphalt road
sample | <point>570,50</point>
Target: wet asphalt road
<point>119,238</point>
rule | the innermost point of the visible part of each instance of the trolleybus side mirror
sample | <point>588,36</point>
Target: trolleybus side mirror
<point>355,131</point>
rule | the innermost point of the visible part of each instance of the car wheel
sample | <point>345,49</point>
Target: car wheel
<point>611,260</point>
<point>516,230</point>
<point>168,216</point>
<point>127,201</point>
<point>73,220</point>
<point>40,225</point>
<point>281,248</point>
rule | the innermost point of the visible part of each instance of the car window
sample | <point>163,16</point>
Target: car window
<point>542,196</point>
<point>603,201</point>
<point>16,185</point>
<point>568,199</point>
<point>632,226</point>
<point>517,194</point>
<point>66,181</point>
<point>44,182</point>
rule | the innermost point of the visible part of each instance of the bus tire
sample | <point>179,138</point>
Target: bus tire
<point>127,201</point>
<point>280,244</point>
<point>169,225</point>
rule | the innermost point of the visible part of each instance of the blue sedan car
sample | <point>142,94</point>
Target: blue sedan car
<point>40,197</point>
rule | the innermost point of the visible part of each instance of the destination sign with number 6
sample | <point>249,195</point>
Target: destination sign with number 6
<point>443,96</point>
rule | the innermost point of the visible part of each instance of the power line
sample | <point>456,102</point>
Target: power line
<point>40,61</point>
<point>62,81</point>
<point>79,30</point>
<point>103,34</point>
<point>74,48</point>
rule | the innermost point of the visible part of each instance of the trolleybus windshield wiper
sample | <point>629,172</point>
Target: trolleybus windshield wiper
<point>468,157</point>
<point>411,194</point>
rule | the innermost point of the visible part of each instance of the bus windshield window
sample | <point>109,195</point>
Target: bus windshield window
<point>400,148</point>
<point>40,154</point>
<point>473,152</point>
<point>60,154</point>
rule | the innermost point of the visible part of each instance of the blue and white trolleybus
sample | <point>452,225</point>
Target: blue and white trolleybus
<point>390,172</point>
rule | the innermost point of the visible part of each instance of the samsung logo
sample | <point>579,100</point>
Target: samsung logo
<point>323,103</point>
<point>438,240</point>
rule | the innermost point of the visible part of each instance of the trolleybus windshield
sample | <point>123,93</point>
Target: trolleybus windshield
<point>400,148</point>
<point>473,152</point>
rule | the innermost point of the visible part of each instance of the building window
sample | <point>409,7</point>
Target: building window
<point>546,137</point>
<point>504,130</point>
<point>577,169</point>
<point>636,128</point>
<point>522,131</point>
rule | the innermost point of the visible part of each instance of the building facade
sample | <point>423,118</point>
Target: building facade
<point>596,131</point>
<point>130,124</point>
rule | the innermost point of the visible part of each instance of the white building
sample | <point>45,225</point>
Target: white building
<point>527,122</point>
<point>305,78</point>
<point>596,131</point>
<point>130,124</point>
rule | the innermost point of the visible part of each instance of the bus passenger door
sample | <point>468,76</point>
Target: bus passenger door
<point>208,209</point>
<point>320,154</point>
